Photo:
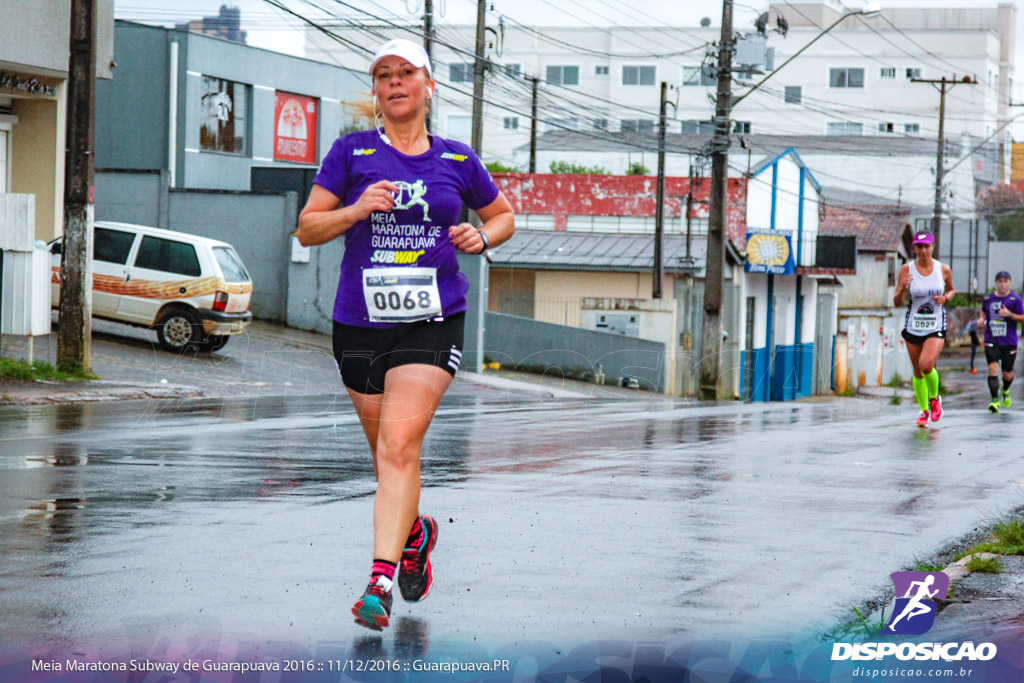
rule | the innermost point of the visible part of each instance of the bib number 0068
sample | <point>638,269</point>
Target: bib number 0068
<point>401,294</point>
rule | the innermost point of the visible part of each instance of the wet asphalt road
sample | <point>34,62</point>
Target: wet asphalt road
<point>249,519</point>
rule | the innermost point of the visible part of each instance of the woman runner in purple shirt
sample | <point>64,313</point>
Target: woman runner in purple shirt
<point>395,193</point>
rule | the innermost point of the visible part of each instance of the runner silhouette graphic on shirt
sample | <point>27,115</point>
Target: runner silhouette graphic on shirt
<point>416,192</point>
<point>914,607</point>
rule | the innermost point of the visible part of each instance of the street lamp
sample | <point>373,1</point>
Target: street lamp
<point>870,9</point>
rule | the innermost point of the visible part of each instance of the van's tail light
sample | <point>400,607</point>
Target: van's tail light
<point>220,301</point>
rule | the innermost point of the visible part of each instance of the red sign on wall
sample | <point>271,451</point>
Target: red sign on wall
<point>294,128</point>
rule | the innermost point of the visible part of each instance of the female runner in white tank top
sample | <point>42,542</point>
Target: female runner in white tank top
<point>930,285</point>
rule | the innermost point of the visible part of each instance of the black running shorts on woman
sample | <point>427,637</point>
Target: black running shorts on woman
<point>365,354</point>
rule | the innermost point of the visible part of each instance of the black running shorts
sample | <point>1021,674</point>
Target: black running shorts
<point>1006,355</point>
<point>365,354</point>
<point>919,338</point>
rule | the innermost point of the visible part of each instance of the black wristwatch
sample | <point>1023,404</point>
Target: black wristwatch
<point>487,241</point>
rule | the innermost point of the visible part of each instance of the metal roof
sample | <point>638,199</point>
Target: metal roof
<point>595,251</point>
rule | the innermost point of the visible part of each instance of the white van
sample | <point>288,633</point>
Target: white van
<point>193,290</point>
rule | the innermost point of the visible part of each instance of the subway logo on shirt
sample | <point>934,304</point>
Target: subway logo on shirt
<point>454,157</point>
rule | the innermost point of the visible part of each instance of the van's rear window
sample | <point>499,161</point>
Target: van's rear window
<point>156,253</point>
<point>232,266</point>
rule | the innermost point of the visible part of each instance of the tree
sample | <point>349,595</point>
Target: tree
<point>498,167</point>
<point>567,167</point>
<point>636,168</point>
<point>1003,205</point>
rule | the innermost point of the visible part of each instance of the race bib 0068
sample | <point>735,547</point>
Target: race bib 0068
<point>401,295</point>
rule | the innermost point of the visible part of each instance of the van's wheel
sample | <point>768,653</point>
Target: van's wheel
<point>179,329</point>
<point>216,342</point>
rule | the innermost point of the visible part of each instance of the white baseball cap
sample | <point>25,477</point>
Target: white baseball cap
<point>407,50</point>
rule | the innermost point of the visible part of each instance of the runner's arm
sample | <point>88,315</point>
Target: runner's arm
<point>947,277</point>
<point>498,224</point>
<point>322,221</point>
<point>902,282</point>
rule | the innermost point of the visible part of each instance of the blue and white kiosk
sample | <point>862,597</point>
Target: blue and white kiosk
<point>780,286</point>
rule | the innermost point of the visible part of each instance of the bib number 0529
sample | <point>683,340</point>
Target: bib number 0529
<point>401,294</point>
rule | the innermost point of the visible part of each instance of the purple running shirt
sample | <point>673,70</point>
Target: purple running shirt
<point>1001,331</point>
<point>398,262</point>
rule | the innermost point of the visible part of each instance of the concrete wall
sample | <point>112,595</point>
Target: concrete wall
<point>514,341</point>
<point>259,226</point>
<point>132,197</point>
<point>869,287</point>
<point>1008,256</point>
<point>875,349</point>
<point>37,158</point>
<point>132,108</point>
<point>558,293</point>
<point>565,195</point>
<point>35,34</point>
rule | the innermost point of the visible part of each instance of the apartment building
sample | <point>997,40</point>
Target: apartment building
<point>857,80</point>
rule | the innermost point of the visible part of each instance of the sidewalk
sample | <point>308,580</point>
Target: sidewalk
<point>269,359</point>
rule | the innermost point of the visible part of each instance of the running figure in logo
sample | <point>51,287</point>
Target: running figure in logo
<point>416,191</point>
<point>930,285</point>
<point>398,328</point>
<point>914,607</point>
<point>1002,311</point>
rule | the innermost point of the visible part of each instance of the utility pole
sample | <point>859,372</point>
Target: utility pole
<point>428,36</point>
<point>74,339</point>
<point>711,343</point>
<point>478,77</point>
<point>659,209</point>
<point>940,160</point>
<point>533,126</point>
<point>689,215</point>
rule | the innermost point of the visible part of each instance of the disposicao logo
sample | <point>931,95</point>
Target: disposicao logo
<point>914,612</point>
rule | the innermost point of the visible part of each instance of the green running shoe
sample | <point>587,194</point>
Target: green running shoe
<point>993,407</point>
<point>1006,399</point>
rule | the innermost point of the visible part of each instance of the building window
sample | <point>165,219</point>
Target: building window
<point>563,75</point>
<point>694,127</point>
<point>601,70</point>
<point>638,75</point>
<point>887,72</point>
<point>699,75</point>
<point>794,94</point>
<point>637,126</point>
<point>511,123</point>
<point>769,59</point>
<point>460,127</point>
<point>222,109</point>
<point>460,73</point>
<point>742,127</point>
<point>561,124</point>
<point>514,70</point>
<point>892,270</point>
<point>600,124</point>
<point>845,128</point>
<point>885,127</point>
<point>912,128</point>
<point>846,78</point>
<point>914,72</point>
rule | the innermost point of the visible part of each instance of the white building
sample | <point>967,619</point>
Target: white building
<point>602,81</point>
